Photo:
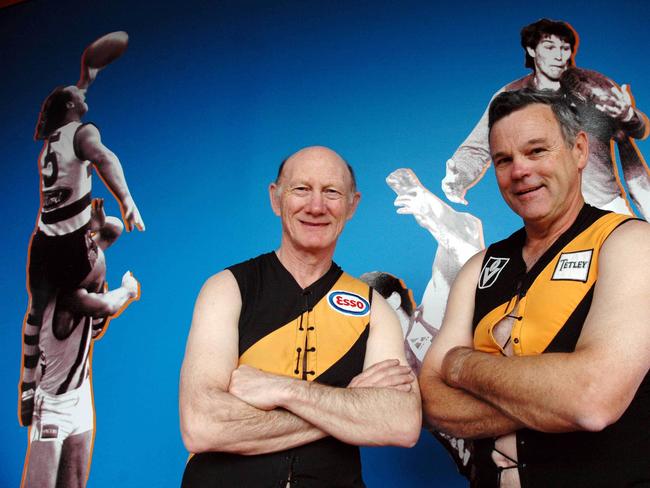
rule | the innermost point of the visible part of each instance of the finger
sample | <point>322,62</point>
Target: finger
<point>386,363</point>
<point>385,377</point>
<point>391,381</point>
<point>403,387</point>
<point>402,200</point>
<point>373,370</point>
<point>397,378</point>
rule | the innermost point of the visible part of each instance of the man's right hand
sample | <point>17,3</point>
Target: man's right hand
<point>385,374</point>
<point>131,216</point>
<point>27,391</point>
<point>130,284</point>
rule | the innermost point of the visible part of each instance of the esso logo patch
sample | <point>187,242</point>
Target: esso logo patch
<point>348,303</point>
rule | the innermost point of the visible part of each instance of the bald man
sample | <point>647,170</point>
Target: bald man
<point>290,362</point>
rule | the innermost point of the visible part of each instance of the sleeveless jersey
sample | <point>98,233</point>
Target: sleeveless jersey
<point>554,298</point>
<point>65,183</point>
<point>317,334</point>
<point>64,361</point>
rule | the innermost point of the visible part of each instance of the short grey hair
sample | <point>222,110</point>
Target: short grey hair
<point>565,113</point>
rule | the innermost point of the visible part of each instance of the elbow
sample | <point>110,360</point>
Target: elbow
<point>409,437</point>
<point>596,417</point>
<point>409,426</point>
<point>202,435</point>
<point>440,419</point>
<point>197,437</point>
<point>191,433</point>
<point>595,408</point>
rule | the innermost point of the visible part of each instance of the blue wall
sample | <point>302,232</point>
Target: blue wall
<point>207,100</point>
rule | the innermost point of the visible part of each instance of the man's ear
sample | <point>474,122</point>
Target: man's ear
<point>581,149</point>
<point>530,51</point>
<point>355,203</point>
<point>274,196</point>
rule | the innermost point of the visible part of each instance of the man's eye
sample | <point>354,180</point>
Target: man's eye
<point>300,190</point>
<point>538,150</point>
<point>501,161</point>
<point>332,193</point>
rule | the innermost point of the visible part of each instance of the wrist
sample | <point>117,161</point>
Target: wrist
<point>285,391</point>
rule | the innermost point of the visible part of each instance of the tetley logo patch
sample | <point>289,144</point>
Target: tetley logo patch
<point>348,303</point>
<point>490,271</point>
<point>573,266</point>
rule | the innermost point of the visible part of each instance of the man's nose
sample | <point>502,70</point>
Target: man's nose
<point>520,167</point>
<point>316,204</point>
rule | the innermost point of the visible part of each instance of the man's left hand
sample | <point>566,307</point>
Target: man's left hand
<point>616,103</point>
<point>385,374</point>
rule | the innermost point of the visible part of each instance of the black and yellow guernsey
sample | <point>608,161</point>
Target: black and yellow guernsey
<point>554,298</point>
<point>319,334</point>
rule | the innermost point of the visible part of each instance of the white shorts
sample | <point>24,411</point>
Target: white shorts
<point>57,417</point>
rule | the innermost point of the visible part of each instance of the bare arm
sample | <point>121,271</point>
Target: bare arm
<point>591,387</point>
<point>450,409</point>
<point>105,304</point>
<point>360,414</point>
<point>470,161</point>
<point>211,418</point>
<point>89,146</point>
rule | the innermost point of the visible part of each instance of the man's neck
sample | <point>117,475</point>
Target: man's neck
<point>71,117</point>
<point>306,268</point>
<point>542,82</point>
<point>540,236</point>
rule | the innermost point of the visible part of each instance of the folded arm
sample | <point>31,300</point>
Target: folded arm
<point>591,387</point>
<point>212,419</point>
<point>448,408</point>
<point>381,406</point>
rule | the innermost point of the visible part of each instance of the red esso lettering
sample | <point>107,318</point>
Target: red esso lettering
<point>349,302</point>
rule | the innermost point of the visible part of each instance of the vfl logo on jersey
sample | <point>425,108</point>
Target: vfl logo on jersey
<point>573,266</point>
<point>490,271</point>
<point>348,303</point>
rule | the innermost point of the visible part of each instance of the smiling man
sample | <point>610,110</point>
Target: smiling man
<point>544,351</point>
<point>290,362</point>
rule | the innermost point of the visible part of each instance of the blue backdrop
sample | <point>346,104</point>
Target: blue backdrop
<point>208,99</point>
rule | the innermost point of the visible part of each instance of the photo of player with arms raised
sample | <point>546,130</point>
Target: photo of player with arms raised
<point>68,303</point>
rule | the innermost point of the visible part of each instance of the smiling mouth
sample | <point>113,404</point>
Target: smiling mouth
<point>527,190</point>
